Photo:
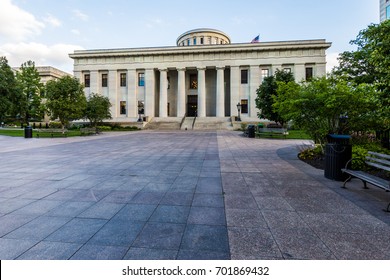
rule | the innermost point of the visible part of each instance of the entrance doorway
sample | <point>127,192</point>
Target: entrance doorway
<point>192,105</point>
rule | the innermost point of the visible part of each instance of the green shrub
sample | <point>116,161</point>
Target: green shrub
<point>55,125</point>
<point>126,128</point>
<point>104,128</point>
<point>359,154</point>
<point>243,126</point>
<point>312,153</point>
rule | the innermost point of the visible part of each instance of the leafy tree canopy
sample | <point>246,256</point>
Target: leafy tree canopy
<point>9,93</point>
<point>31,88</point>
<point>65,99</point>
<point>318,106</point>
<point>370,63</point>
<point>267,92</point>
<point>98,109</point>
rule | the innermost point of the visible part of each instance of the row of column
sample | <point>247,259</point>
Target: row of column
<point>181,93</point>
<point>149,91</point>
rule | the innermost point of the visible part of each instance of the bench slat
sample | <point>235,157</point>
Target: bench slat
<point>379,155</point>
<point>380,166</point>
<point>376,181</point>
<point>52,131</point>
<point>385,163</point>
<point>382,161</point>
<point>379,161</point>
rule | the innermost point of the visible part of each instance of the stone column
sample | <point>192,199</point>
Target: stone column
<point>275,67</point>
<point>254,82</point>
<point>299,72</point>
<point>94,81</point>
<point>112,92</point>
<point>149,93</point>
<point>234,89</point>
<point>319,69</point>
<point>163,93</point>
<point>132,106</point>
<point>181,93</point>
<point>220,110</point>
<point>201,92</point>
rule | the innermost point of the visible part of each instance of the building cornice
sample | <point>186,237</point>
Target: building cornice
<point>247,47</point>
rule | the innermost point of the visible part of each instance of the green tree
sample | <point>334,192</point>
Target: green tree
<point>98,109</point>
<point>370,63</point>
<point>65,100</point>
<point>317,106</point>
<point>9,93</point>
<point>31,88</point>
<point>267,92</point>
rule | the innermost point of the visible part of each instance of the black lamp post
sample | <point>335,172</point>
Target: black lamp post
<point>239,110</point>
<point>139,112</point>
<point>343,120</point>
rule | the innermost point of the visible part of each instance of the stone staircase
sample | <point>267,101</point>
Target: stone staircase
<point>171,123</point>
<point>176,123</point>
<point>213,123</point>
<point>187,123</point>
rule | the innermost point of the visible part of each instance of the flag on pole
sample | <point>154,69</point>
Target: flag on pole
<point>256,39</point>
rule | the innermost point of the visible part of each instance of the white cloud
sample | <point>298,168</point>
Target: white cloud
<point>80,15</point>
<point>17,24</point>
<point>55,55</point>
<point>152,23</point>
<point>53,21</point>
<point>75,32</point>
<point>331,61</point>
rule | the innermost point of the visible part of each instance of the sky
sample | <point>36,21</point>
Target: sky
<point>47,31</point>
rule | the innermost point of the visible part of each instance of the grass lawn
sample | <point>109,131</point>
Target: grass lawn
<point>297,134</point>
<point>292,134</point>
<point>14,132</point>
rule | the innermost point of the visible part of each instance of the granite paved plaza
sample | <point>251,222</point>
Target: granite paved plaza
<point>180,195</point>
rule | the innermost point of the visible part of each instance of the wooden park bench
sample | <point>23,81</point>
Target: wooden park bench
<point>53,132</point>
<point>88,130</point>
<point>379,162</point>
<point>272,131</point>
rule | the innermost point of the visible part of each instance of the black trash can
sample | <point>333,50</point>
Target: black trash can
<point>28,132</point>
<point>251,131</point>
<point>338,151</point>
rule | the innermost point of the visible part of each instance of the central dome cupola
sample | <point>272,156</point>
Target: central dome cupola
<point>201,37</point>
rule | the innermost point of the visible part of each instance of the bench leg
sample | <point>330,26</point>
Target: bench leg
<point>346,181</point>
<point>365,185</point>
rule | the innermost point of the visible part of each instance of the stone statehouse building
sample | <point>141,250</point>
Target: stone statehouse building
<point>204,75</point>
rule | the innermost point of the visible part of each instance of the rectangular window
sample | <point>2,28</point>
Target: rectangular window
<point>244,76</point>
<point>123,79</point>
<point>123,107</point>
<point>104,80</point>
<point>201,41</point>
<point>309,73</point>
<point>388,12</point>
<point>264,73</point>
<point>194,41</point>
<point>244,106</point>
<point>87,80</point>
<point>287,70</point>
<point>188,42</point>
<point>141,79</point>
<point>193,81</point>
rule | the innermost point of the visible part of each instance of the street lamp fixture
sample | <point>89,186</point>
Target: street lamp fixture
<point>139,111</point>
<point>239,110</point>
